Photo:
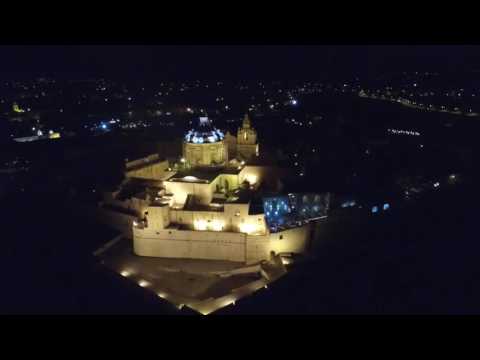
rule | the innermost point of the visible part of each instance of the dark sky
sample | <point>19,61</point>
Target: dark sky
<point>235,62</point>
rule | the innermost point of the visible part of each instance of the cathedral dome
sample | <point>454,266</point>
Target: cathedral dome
<point>204,132</point>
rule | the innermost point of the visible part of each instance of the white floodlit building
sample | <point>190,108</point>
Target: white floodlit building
<point>208,206</point>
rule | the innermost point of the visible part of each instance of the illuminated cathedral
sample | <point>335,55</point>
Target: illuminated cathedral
<point>209,205</point>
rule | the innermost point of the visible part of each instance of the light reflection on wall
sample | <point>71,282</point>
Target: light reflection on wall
<point>252,179</point>
<point>215,225</point>
<point>200,224</point>
<point>248,228</point>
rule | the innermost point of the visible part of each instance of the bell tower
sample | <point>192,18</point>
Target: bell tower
<point>247,145</point>
<point>246,134</point>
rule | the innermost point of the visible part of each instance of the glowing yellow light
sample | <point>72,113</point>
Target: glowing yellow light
<point>17,109</point>
<point>161,295</point>
<point>143,283</point>
<point>125,273</point>
<point>248,228</point>
<point>252,179</point>
<point>54,135</point>
<point>217,225</point>
<point>182,160</point>
<point>135,223</point>
<point>200,225</point>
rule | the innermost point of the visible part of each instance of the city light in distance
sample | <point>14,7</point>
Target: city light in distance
<point>403,132</point>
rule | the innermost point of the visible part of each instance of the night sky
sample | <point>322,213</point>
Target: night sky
<point>230,62</point>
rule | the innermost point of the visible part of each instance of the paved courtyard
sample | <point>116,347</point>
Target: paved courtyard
<point>202,285</point>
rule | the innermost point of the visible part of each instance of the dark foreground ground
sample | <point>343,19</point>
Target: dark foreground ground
<point>419,260</point>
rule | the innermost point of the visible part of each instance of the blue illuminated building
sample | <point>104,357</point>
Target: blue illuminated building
<point>276,210</point>
<point>294,209</point>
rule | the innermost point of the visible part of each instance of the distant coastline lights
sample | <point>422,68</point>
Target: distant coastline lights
<point>403,132</point>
